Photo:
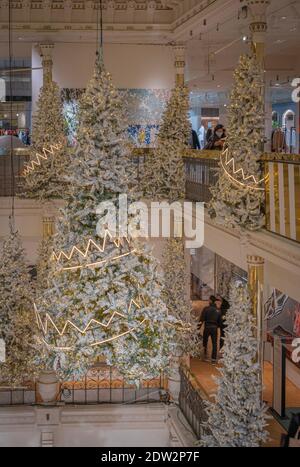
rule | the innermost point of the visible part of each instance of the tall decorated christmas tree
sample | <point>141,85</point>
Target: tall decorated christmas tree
<point>238,196</point>
<point>16,313</point>
<point>164,179</point>
<point>237,418</point>
<point>43,175</point>
<point>105,297</point>
<point>164,176</point>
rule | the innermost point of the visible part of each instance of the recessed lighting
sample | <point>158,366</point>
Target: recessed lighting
<point>277,84</point>
<point>225,105</point>
<point>219,85</point>
<point>17,115</point>
<point>245,38</point>
<point>283,17</point>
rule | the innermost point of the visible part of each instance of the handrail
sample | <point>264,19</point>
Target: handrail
<point>187,153</point>
<point>195,382</point>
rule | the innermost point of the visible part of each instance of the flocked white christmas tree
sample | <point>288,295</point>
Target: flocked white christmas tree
<point>238,196</point>
<point>164,176</point>
<point>164,179</point>
<point>237,417</point>
<point>105,298</point>
<point>44,174</point>
<point>17,327</point>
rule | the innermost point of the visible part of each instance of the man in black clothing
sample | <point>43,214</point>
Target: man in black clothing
<point>224,308</point>
<point>211,318</point>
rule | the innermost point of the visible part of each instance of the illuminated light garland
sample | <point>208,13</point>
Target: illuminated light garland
<point>84,253</point>
<point>237,171</point>
<point>49,321</point>
<point>97,263</point>
<point>30,166</point>
<point>44,326</point>
<point>104,341</point>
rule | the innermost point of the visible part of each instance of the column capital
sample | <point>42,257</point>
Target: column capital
<point>254,260</point>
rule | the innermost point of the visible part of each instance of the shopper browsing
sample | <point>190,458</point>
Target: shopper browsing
<point>217,140</point>
<point>211,318</point>
<point>224,307</point>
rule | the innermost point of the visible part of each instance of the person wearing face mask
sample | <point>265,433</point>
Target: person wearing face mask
<point>217,140</point>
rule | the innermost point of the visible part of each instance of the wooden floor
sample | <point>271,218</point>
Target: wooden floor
<point>204,373</point>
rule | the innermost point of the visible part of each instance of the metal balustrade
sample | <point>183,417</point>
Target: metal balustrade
<point>283,195</point>
<point>6,183</point>
<point>102,385</point>
<point>192,401</point>
<point>201,175</point>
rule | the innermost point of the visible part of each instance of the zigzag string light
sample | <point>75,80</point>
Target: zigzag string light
<point>240,171</point>
<point>84,253</point>
<point>32,164</point>
<point>92,324</point>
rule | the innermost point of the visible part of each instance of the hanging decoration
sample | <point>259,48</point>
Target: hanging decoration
<point>39,158</point>
<point>91,247</point>
<point>92,326</point>
<point>249,181</point>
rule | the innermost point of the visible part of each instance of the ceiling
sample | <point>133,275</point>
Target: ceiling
<point>212,30</point>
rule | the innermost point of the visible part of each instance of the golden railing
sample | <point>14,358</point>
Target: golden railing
<point>283,194</point>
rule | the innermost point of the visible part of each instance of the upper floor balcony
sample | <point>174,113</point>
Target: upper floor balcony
<point>282,187</point>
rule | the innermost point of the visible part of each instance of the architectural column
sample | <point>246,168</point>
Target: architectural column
<point>258,25</point>
<point>256,288</point>
<point>179,53</point>
<point>47,63</point>
<point>110,11</point>
<point>258,28</point>
<point>48,227</point>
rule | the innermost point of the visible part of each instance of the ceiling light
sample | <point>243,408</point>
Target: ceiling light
<point>283,17</point>
<point>245,38</point>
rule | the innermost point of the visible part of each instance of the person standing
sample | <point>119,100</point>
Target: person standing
<point>217,140</point>
<point>211,318</point>
<point>202,136</point>
<point>224,307</point>
<point>194,142</point>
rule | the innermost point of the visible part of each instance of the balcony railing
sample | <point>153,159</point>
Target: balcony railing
<point>102,385</point>
<point>283,195</point>
<point>282,191</point>
<point>192,401</point>
<point>7,186</point>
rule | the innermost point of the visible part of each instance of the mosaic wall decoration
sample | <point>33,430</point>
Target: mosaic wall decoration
<point>282,314</point>
<point>143,112</point>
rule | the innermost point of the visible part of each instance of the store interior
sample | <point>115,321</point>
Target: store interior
<point>150,48</point>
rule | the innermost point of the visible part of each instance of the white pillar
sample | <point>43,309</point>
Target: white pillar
<point>258,25</point>
<point>179,55</point>
<point>47,63</point>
